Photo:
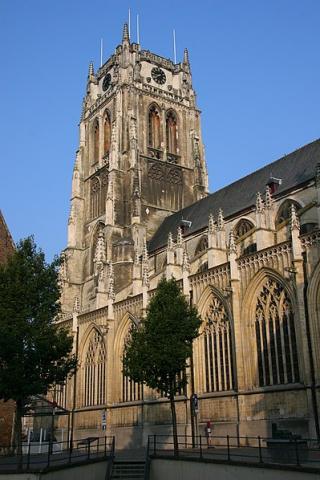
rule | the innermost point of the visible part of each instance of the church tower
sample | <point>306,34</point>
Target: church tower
<point>140,159</point>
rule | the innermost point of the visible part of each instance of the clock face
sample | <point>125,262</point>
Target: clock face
<point>158,75</point>
<point>106,82</point>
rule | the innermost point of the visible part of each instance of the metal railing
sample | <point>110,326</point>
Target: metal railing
<point>56,454</point>
<point>299,452</point>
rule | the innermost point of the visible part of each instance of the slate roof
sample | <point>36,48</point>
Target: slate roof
<point>294,169</point>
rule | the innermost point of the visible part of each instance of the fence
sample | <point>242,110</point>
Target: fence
<point>254,450</point>
<point>55,454</point>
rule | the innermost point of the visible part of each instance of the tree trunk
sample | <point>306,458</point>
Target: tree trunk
<point>18,432</point>
<point>174,425</point>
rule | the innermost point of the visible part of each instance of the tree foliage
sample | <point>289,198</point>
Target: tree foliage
<point>158,350</point>
<point>35,352</point>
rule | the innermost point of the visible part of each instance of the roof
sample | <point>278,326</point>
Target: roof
<point>294,169</point>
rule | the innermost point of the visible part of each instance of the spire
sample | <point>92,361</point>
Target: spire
<point>211,224</point>
<point>170,242</point>
<point>76,305</point>
<point>111,282</point>
<point>145,253</point>
<point>100,253</point>
<point>268,198</point>
<point>91,69</point>
<point>179,237</point>
<point>125,34</point>
<point>185,263</point>
<point>220,223</point>
<point>294,220</point>
<point>186,57</point>
<point>259,203</point>
<point>232,244</point>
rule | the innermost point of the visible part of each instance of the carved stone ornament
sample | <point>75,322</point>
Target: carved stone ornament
<point>174,175</point>
<point>156,172</point>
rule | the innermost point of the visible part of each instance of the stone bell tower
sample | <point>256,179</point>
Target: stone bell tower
<point>140,159</point>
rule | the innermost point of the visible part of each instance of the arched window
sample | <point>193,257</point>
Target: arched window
<point>284,212</point>
<point>106,134</point>
<point>243,226</point>
<point>244,239</point>
<point>275,336</point>
<point>154,127</point>
<point>202,245</point>
<point>95,202</point>
<point>95,371</point>
<point>171,132</point>
<point>96,141</point>
<point>214,347</point>
<point>131,391</point>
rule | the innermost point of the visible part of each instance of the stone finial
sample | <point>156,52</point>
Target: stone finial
<point>145,253</point>
<point>111,293</point>
<point>259,203</point>
<point>179,237</point>
<point>211,224</point>
<point>170,242</point>
<point>136,257</point>
<point>232,243</point>
<point>220,222</point>
<point>186,57</point>
<point>91,69</point>
<point>76,305</point>
<point>294,220</point>
<point>145,275</point>
<point>125,33</point>
<point>268,198</point>
<point>185,262</point>
<point>100,252</point>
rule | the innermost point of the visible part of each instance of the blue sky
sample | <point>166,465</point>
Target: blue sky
<point>256,69</point>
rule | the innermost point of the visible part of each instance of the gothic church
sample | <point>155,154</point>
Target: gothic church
<point>247,256</point>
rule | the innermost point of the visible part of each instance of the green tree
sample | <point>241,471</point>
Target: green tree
<point>157,351</point>
<point>35,353</point>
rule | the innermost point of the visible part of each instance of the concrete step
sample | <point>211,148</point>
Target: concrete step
<point>128,470</point>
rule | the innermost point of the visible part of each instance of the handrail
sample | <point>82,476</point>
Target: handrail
<point>45,455</point>
<point>294,451</point>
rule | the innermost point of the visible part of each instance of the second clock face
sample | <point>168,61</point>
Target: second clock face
<point>158,75</point>
<point>106,82</point>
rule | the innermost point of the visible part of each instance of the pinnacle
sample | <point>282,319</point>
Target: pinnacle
<point>125,34</point>
<point>186,56</point>
<point>91,69</point>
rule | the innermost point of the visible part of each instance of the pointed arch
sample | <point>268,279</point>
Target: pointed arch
<point>313,299</point>
<point>96,140</point>
<point>243,227</point>
<point>284,211</point>
<point>202,245</point>
<point>93,367</point>
<point>244,234</point>
<point>213,349</point>
<point>154,126</point>
<point>128,391</point>
<point>172,132</point>
<point>269,310</point>
<point>106,133</point>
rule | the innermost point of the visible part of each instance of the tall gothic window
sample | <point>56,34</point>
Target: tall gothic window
<point>243,226</point>
<point>106,133</point>
<point>154,127</point>
<point>131,391</point>
<point>171,132</point>
<point>214,349</point>
<point>95,202</point>
<point>284,212</point>
<point>95,371</point>
<point>275,336</point>
<point>202,245</point>
<point>96,141</point>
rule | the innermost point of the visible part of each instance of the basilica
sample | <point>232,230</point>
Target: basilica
<point>248,256</point>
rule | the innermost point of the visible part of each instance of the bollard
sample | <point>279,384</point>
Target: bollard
<point>228,444</point>
<point>260,451</point>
